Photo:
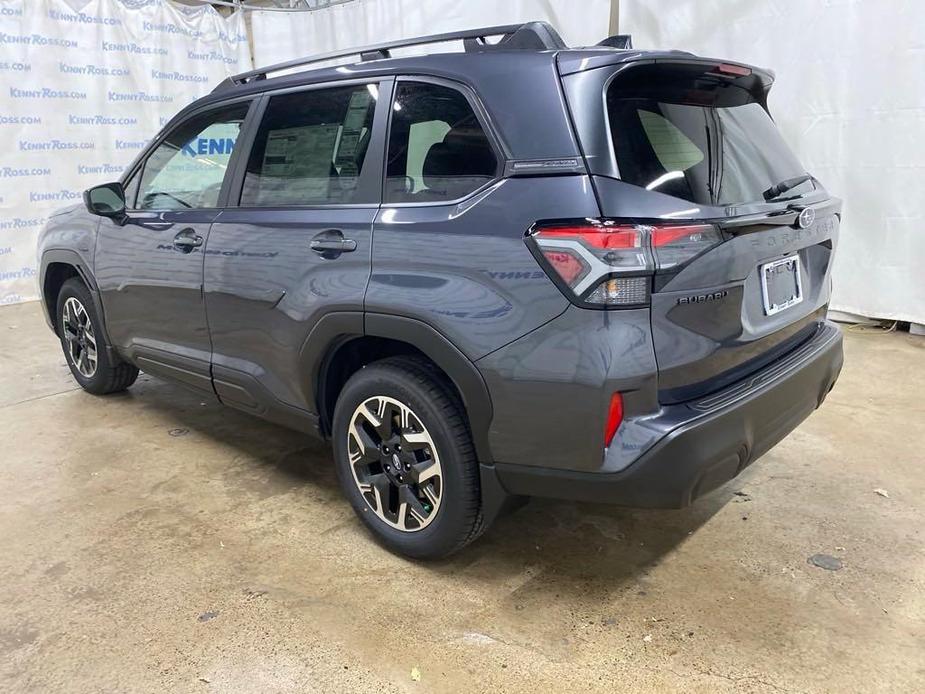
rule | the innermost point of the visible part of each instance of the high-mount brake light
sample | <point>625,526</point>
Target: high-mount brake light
<point>605,263</point>
<point>736,70</point>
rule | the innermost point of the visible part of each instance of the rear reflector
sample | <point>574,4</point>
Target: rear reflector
<point>614,418</point>
<point>608,264</point>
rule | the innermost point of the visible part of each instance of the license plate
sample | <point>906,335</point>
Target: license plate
<point>781,286</point>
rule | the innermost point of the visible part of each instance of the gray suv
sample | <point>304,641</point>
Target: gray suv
<point>517,270</point>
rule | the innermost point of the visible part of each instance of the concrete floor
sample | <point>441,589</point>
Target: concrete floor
<point>155,543</point>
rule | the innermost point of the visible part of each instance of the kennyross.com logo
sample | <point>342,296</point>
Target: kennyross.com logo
<point>81,18</point>
<point>46,93</point>
<point>132,47</point>
<point>211,55</point>
<point>55,195</point>
<point>36,40</point>
<point>94,70</point>
<point>131,144</point>
<point>20,120</point>
<point>20,172</point>
<point>11,298</point>
<point>98,119</point>
<point>10,224</point>
<point>208,145</point>
<point>167,28</point>
<point>53,145</point>
<point>175,76</point>
<point>142,96</point>
<point>98,169</point>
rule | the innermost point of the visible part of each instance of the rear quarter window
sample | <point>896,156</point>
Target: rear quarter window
<point>438,150</point>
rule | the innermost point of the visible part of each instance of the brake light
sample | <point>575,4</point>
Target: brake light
<point>614,418</point>
<point>606,263</point>
<point>729,69</point>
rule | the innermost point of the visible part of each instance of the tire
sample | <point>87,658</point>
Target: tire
<point>85,349</point>
<point>448,516</point>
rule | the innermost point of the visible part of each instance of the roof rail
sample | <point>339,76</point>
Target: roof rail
<point>528,36</point>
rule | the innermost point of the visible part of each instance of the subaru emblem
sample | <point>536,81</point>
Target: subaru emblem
<point>806,218</point>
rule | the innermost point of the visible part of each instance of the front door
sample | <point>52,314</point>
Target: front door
<point>297,245</point>
<point>149,265</point>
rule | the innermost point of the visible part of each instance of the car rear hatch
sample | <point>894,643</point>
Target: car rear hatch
<point>737,237</point>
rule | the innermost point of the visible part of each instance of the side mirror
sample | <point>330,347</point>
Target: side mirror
<point>107,200</point>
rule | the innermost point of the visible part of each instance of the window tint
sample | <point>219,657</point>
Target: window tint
<point>694,140</point>
<point>310,147</point>
<point>187,168</point>
<point>437,149</point>
<point>131,189</point>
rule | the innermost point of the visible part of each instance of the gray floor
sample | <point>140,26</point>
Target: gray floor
<point>152,542</point>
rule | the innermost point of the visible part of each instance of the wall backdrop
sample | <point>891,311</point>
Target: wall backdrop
<point>83,86</point>
<point>850,99</point>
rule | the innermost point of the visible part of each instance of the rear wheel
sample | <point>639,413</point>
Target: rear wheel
<point>405,458</point>
<point>80,331</point>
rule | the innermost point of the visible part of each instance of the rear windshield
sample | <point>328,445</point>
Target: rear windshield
<point>699,138</point>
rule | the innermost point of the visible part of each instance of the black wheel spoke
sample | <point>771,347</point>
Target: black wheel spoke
<point>386,417</point>
<point>416,509</point>
<point>367,449</point>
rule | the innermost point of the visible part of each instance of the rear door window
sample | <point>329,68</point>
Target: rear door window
<point>311,148</point>
<point>438,150</point>
<point>702,140</point>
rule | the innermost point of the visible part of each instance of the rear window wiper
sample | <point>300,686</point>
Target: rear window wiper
<point>780,188</point>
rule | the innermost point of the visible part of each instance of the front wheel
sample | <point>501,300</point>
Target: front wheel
<point>97,369</point>
<point>405,458</point>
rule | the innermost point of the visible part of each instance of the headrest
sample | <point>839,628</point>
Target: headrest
<point>464,154</point>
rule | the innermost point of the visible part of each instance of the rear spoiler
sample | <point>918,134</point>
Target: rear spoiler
<point>621,41</point>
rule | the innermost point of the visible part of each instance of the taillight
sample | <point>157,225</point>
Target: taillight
<point>675,245</point>
<point>604,263</point>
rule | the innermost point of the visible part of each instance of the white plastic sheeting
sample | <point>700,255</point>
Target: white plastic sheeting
<point>83,86</point>
<point>850,100</point>
<point>282,36</point>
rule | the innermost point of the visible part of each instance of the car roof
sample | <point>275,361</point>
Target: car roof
<point>516,80</point>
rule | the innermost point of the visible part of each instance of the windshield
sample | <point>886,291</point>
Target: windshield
<point>711,144</point>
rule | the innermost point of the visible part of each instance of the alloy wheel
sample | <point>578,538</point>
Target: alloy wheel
<point>79,337</point>
<point>395,463</point>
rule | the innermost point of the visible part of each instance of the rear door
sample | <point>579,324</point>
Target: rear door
<point>687,151</point>
<point>294,242</point>
<point>149,265</point>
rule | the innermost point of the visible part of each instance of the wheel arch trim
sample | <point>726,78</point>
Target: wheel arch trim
<point>334,330</point>
<point>65,256</point>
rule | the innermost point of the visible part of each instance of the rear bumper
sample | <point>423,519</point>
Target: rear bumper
<point>711,440</point>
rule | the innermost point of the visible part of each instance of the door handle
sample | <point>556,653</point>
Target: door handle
<point>331,243</point>
<point>187,240</point>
